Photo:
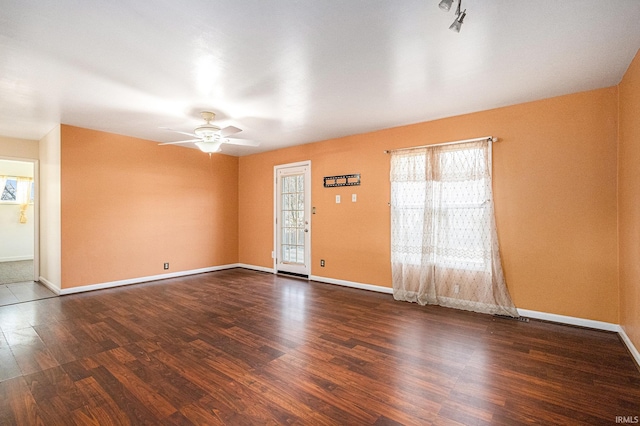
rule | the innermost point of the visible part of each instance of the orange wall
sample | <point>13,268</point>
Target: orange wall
<point>629,201</point>
<point>129,205</point>
<point>555,198</point>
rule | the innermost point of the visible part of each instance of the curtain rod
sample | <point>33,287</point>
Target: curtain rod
<point>484,138</point>
<point>14,176</point>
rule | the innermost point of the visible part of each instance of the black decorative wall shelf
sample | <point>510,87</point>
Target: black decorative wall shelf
<point>342,180</point>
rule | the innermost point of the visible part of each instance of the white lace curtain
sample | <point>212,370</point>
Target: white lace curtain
<point>444,245</point>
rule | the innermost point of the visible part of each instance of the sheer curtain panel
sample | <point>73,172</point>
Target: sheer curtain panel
<point>23,196</point>
<point>3,183</point>
<point>444,243</point>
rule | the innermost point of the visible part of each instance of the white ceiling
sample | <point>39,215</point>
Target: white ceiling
<point>289,72</point>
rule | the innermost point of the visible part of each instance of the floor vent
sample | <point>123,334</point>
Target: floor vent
<point>293,274</point>
<point>521,319</point>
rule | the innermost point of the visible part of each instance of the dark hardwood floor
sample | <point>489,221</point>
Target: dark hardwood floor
<point>242,347</point>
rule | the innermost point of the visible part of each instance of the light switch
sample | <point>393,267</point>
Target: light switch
<point>337,199</point>
<point>354,198</point>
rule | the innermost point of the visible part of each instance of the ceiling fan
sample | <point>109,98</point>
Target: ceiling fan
<point>209,137</point>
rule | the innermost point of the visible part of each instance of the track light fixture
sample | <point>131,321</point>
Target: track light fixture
<point>457,23</point>
<point>446,5</point>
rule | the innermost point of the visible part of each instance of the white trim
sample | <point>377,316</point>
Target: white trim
<point>15,258</point>
<point>36,219</point>
<point>581,322</point>
<point>49,285</point>
<point>35,163</point>
<point>561,319</point>
<point>370,287</point>
<point>308,209</point>
<point>111,284</point>
<point>634,352</point>
<point>256,268</point>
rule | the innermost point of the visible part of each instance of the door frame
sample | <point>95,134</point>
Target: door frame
<point>307,204</point>
<point>36,210</point>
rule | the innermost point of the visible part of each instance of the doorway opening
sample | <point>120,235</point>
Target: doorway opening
<point>19,266</point>
<point>292,230</point>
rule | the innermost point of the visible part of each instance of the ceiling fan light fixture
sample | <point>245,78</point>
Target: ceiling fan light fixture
<point>207,131</point>
<point>209,147</point>
<point>446,5</point>
<point>457,24</point>
<point>209,137</point>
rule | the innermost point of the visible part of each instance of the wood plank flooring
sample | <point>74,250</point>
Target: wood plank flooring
<point>243,347</point>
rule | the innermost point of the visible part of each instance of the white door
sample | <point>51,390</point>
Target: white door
<point>293,220</point>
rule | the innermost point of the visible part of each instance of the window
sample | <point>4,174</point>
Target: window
<point>293,226</point>
<point>453,209</point>
<point>444,243</point>
<point>16,190</point>
<point>10,191</point>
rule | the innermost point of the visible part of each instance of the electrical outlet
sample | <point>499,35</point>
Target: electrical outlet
<point>322,263</point>
<point>354,198</point>
<point>166,265</point>
<point>456,289</point>
<point>337,199</point>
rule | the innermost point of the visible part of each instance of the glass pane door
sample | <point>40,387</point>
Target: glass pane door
<point>293,219</point>
<point>292,229</point>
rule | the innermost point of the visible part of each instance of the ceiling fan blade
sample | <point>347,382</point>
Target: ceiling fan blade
<point>174,143</point>
<point>229,130</point>
<point>241,142</point>
<point>178,131</point>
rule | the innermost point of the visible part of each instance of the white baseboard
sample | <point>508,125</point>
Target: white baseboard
<point>256,268</point>
<point>581,322</point>
<point>51,286</point>
<point>15,258</point>
<point>352,284</point>
<point>562,319</point>
<point>370,287</point>
<point>111,284</point>
<point>598,325</point>
<point>634,352</point>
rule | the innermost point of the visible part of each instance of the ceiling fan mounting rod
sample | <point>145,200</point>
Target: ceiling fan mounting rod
<point>208,116</point>
<point>208,131</point>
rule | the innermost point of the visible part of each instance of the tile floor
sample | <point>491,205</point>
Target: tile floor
<point>23,292</point>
